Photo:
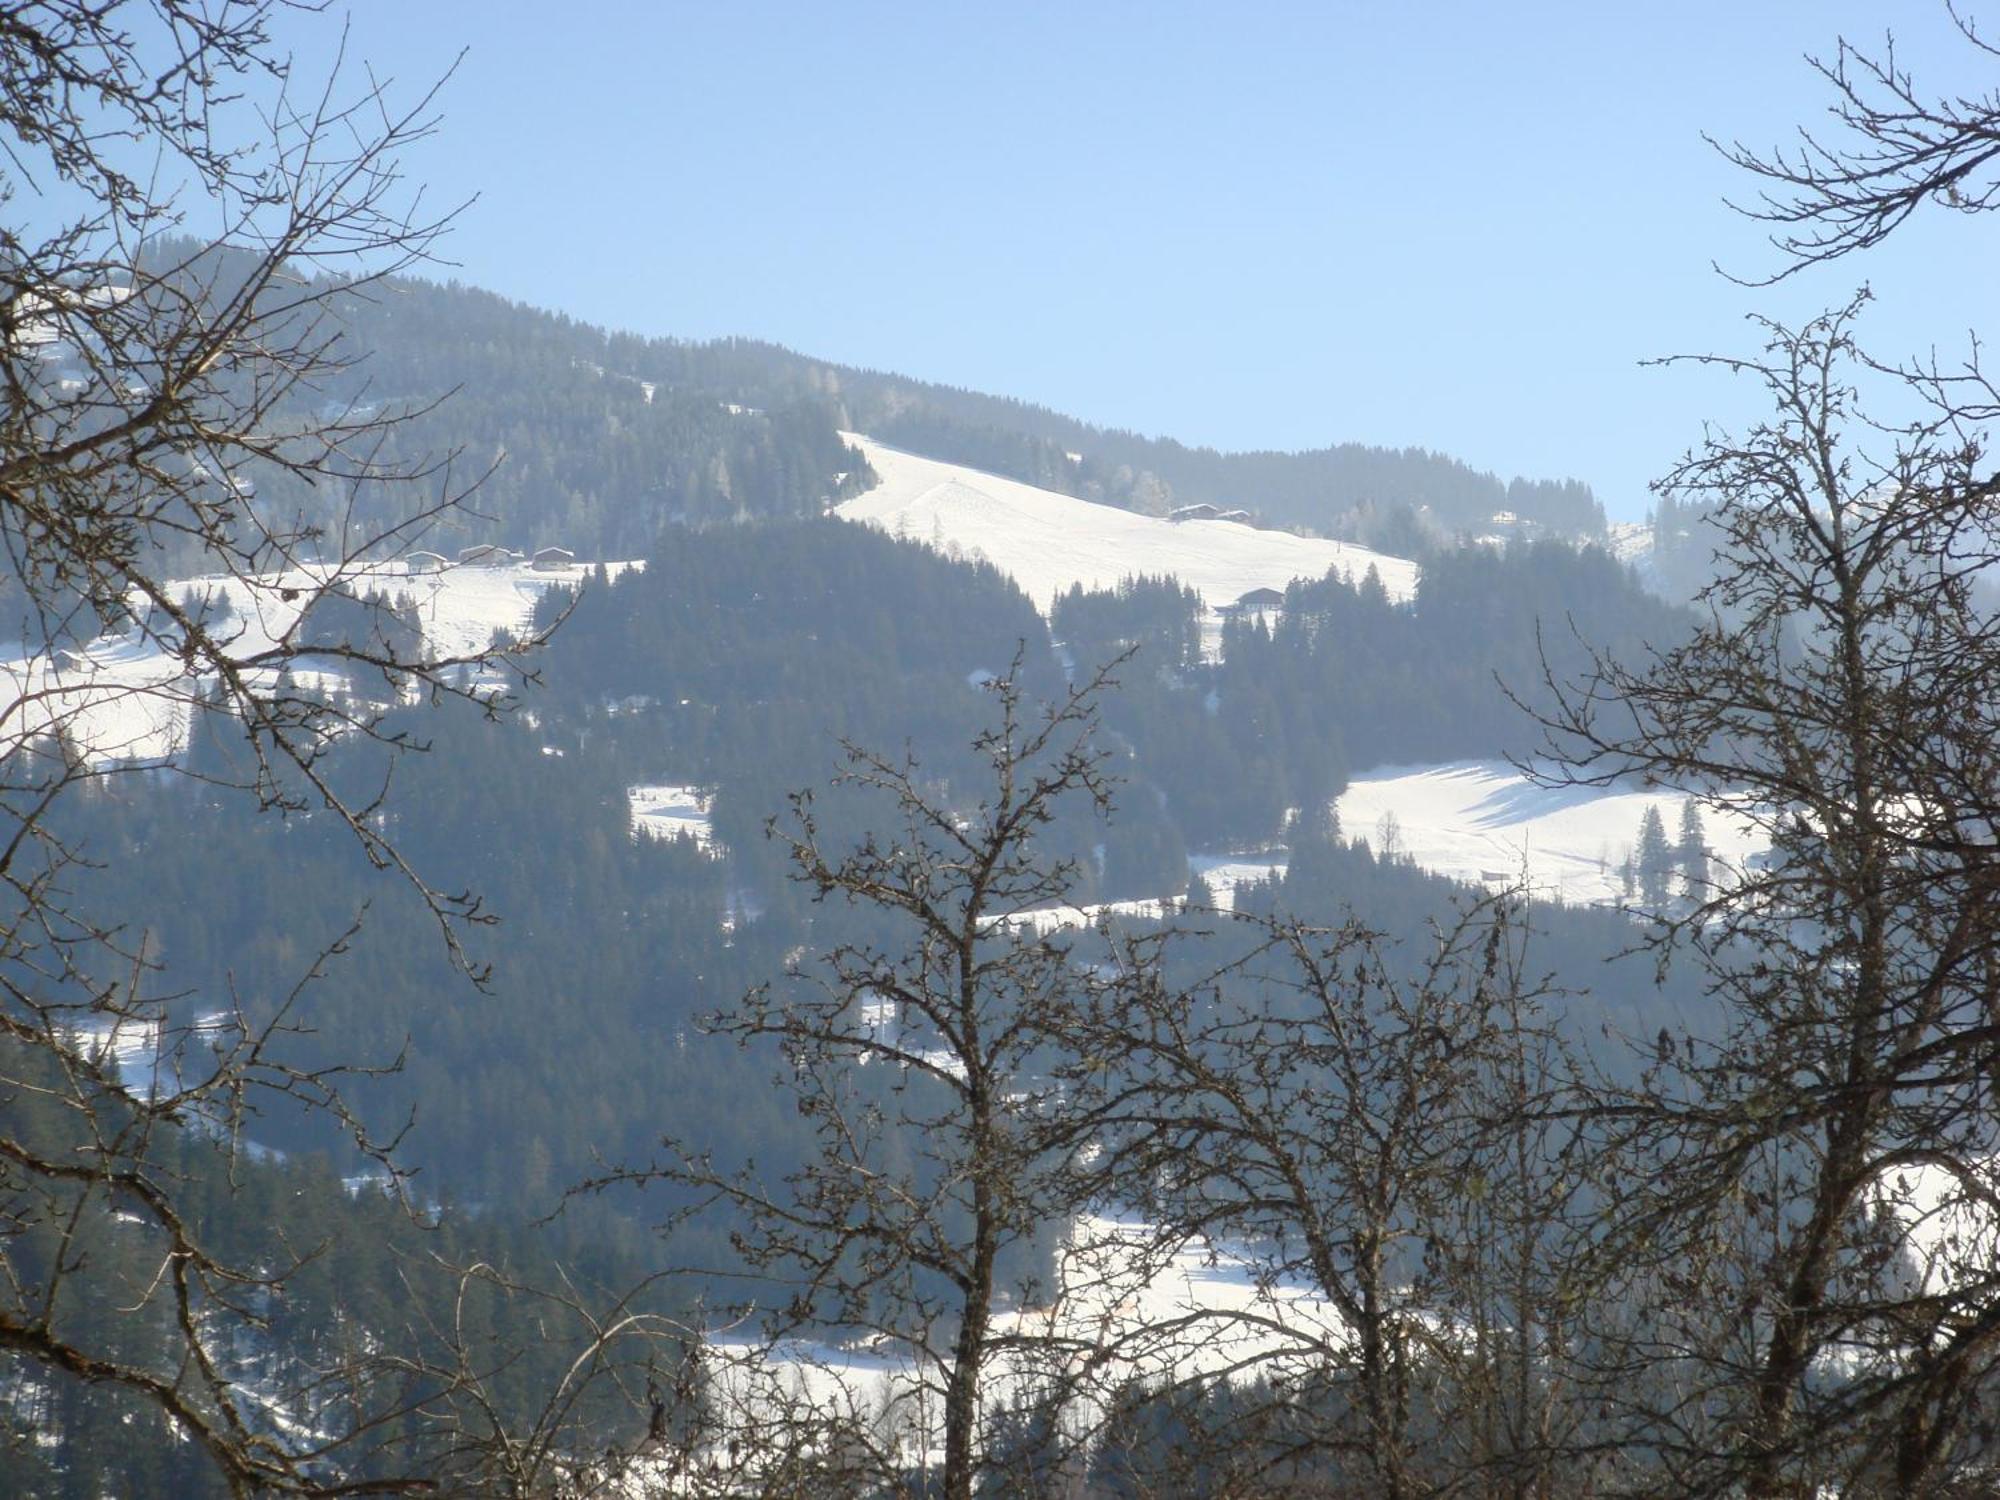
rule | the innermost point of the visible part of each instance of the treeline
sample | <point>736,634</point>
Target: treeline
<point>600,436</point>
<point>1319,488</point>
<point>569,435</point>
<point>1341,678</point>
<point>532,418</point>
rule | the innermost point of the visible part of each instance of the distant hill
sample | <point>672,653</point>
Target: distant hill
<point>1349,490</point>
<point>606,436</point>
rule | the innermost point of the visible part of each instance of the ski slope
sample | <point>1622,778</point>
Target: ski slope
<point>1047,542</point>
<point>1483,822</point>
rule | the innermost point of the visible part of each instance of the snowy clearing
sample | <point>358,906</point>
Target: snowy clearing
<point>1128,1309</point>
<point>1046,542</point>
<point>1043,920</point>
<point>668,811</point>
<point>1222,873</point>
<point>150,1058</point>
<point>122,697</point>
<point>1483,822</point>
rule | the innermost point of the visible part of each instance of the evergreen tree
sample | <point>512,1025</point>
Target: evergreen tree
<point>1655,860</point>
<point>1692,853</point>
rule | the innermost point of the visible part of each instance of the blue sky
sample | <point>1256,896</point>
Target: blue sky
<point>1461,226</point>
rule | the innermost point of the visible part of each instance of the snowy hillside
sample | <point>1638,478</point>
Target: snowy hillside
<point>1483,822</point>
<point>1477,821</point>
<point>1046,542</point>
<point>122,697</point>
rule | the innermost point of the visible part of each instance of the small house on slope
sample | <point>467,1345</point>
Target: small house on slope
<point>485,555</point>
<point>1257,601</point>
<point>425,562</point>
<point>554,559</point>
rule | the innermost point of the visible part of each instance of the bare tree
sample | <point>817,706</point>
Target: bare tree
<point>1364,1128</point>
<point>1894,148</point>
<point>929,1062</point>
<point>187,216</point>
<point>1810,1287</point>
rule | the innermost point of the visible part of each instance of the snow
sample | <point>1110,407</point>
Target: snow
<point>1047,542</point>
<point>666,811</point>
<point>1629,541</point>
<point>150,1058</point>
<point>122,697</point>
<point>1129,1307</point>
<point>1950,1229</point>
<point>1486,823</point>
<point>1224,872</point>
<point>1043,920</point>
<point>461,607</point>
<point>1120,1288</point>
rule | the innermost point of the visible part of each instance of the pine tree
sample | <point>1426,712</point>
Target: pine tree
<point>1656,859</point>
<point>1692,853</point>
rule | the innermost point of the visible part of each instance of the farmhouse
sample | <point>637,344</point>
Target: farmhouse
<point>485,555</point>
<point>425,562</point>
<point>554,559</point>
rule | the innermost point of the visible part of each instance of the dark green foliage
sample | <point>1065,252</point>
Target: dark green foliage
<point>584,450</point>
<point>1346,678</point>
<point>1691,852</point>
<point>1655,859</point>
<point>735,428</point>
<point>1159,615</point>
<point>364,1269</point>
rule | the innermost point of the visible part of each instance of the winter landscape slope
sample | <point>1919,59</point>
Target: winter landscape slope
<point>1047,542</point>
<point>1486,823</point>
<point>125,697</point>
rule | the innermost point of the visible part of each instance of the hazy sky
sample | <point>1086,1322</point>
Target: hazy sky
<point>1461,226</point>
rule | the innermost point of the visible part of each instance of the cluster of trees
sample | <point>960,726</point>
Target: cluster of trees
<point>1345,678</point>
<point>1160,616</point>
<point>1653,862</point>
<point>1758,1258</point>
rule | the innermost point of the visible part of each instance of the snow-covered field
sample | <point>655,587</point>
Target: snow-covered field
<point>1477,821</point>
<point>1128,1309</point>
<point>1042,920</point>
<point>1629,541</point>
<point>1222,873</point>
<point>666,812</point>
<point>1046,542</point>
<point>1483,822</point>
<point>1950,1230</point>
<point>150,1059</point>
<point>122,697</point>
